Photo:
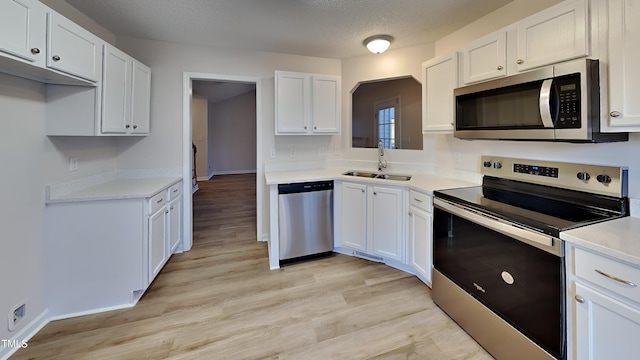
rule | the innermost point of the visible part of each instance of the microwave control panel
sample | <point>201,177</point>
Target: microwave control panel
<point>568,88</point>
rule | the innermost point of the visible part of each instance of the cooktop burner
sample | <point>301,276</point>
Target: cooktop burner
<point>548,197</point>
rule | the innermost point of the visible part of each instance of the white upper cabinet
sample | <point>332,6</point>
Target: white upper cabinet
<point>485,58</point>
<point>23,30</point>
<point>623,37</point>
<point>40,44</point>
<point>325,110</point>
<point>72,49</point>
<point>307,104</point>
<point>125,94</point>
<point>553,35</point>
<point>439,78</point>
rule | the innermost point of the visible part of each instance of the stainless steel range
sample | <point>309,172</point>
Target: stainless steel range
<point>498,259</point>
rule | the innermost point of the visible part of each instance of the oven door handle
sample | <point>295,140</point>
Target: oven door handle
<point>540,241</point>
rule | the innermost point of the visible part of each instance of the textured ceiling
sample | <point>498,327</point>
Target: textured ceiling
<point>323,28</point>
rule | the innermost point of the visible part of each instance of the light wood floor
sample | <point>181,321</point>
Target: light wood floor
<point>220,301</point>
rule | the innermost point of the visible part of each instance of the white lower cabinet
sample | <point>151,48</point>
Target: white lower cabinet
<point>372,220</point>
<point>604,307</point>
<point>420,256</point>
<point>103,254</point>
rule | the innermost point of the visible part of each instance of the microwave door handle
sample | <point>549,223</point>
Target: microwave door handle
<point>545,103</point>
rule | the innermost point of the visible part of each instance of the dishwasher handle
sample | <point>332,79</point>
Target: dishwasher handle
<point>294,188</point>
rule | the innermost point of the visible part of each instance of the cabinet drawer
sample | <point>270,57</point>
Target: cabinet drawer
<point>157,201</point>
<point>420,200</point>
<point>175,191</point>
<point>612,275</point>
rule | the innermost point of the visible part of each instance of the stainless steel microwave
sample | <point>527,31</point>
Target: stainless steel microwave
<point>555,103</point>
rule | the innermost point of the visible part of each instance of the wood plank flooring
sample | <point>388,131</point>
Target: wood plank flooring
<point>220,301</point>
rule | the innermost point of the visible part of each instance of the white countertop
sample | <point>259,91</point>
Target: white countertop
<point>420,182</point>
<point>616,238</point>
<point>114,189</point>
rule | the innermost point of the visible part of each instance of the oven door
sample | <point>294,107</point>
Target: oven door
<point>516,273</point>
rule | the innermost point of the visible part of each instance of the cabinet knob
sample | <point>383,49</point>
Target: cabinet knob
<point>315,128</point>
<point>520,62</point>
<point>499,67</point>
<point>166,211</point>
<point>135,126</point>
<point>35,51</point>
<point>56,58</point>
<point>362,190</point>
<point>127,126</point>
<point>305,128</point>
<point>579,299</point>
<point>375,193</point>
<point>615,114</point>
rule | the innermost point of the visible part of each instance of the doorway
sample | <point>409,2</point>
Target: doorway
<point>188,81</point>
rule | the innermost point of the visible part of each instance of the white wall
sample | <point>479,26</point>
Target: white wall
<point>390,64</point>
<point>232,135</point>
<point>168,61</point>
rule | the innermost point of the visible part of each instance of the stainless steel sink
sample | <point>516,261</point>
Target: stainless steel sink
<point>394,177</point>
<point>360,174</point>
<point>372,175</point>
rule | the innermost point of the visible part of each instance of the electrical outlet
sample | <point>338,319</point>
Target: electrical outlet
<point>272,153</point>
<point>16,315</point>
<point>323,151</point>
<point>73,163</point>
<point>336,151</point>
<point>292,152</point>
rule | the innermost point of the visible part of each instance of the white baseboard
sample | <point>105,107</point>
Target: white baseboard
<point>92,311</point>
<point>265,237</point>
<point>25,334</point>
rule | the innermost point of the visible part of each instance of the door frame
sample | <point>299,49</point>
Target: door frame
<point>187,150</point>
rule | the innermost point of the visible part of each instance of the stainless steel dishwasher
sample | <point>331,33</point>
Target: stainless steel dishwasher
<point>305,213</point>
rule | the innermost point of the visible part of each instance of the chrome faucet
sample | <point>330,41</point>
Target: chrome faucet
<point>381,163</point>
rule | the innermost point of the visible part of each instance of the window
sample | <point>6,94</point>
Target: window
<point>387,120</point>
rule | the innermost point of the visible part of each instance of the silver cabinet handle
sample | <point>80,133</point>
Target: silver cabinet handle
<point>520,62</point>
<point>362,190</point>
<point>410,213</point>
<point>615,278</point>
<point>418,200</point>
<point>127,126</point>
<point>315,128</point>
<point>135,126</point>
<point>375,193</point>
<point>579,299</point>
<point>56,58</point>
<point>615,114</point>
<point>166,211</point>
<point>499,67</point>
<point>175,191</point>
<point>35,51</point>
<point>172,208</point>
<point>159,201</point>
<point>305,128</point>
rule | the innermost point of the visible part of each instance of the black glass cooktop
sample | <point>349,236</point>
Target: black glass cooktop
<point>542,208</point>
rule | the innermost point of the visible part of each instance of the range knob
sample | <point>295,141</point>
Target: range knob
<point>487,164</point>
<point>603,178</point>
<point>584,176</point>
<point>497,165</point>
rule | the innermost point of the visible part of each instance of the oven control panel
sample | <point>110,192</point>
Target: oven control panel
<point>536,170</point>
<point>597,179</point>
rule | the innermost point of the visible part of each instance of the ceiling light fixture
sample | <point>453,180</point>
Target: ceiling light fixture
<point>377,44</point>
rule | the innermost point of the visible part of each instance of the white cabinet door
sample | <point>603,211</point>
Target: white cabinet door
<point>439,78</point>
<point>140,98</point>
<point>116,91</point>
<point>485,58</point>
<point>72,49</point>
<point>420,238</point>
<point>605,328</point>
<point>624,72</point>
<point>175,223</point>
<point>157,242</point>
<point>387,222</point>
<point>326,104</point>
<point>553,35</point>
<point>353,231</point>
<point>23,30</point>
<point>292,104</point>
